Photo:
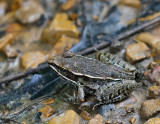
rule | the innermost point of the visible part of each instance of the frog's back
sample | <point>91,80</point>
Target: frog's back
<point>83,66</point>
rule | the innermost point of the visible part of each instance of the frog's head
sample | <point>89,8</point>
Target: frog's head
<point>61,61</point>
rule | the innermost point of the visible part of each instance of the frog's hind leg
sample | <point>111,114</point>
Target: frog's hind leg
<point>113,100</point>
<point>87,104</point>
<point>118,98</point>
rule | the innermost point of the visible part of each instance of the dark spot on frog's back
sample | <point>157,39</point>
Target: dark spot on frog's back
<point>119,91</point>
<point>112,74</point>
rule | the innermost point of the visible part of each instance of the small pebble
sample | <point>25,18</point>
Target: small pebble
<point>73,16</point>
<point>29,13</point>
<point>136,52</point>
<point>32,59</point>
<point>7,39</point>
<point>63,44</point>
<point>47,111</point>
<point>108,122</point>
<point>70,117</point>
<point>14,28</point>
<point>153,75</point>
<point>3,7</point>
<point>150,39</point>
<point>150,108</point>
<point>98,119</point>
<point>154,91</point>
<point>132,3</point>
<point>15,4</point>
<point>130,108</point>
<point>132,120</point>
<point>59,26</point>
<point>153,121</point>
<point>85,115</point>
<point>68,5</point>
<point>10,51</point>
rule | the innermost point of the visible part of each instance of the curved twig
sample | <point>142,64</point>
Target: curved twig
<point>23,74</point>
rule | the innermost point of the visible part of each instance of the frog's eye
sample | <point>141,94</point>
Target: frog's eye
<point>64,68</point>
<point>68,54</point>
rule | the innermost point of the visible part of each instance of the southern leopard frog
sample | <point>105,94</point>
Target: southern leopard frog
<point>108,81</point>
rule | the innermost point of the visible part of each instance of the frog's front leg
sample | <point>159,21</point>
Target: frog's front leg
<point>81,92</point>
<point>77,98</point>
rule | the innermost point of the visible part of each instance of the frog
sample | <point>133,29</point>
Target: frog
<point>106,81</point>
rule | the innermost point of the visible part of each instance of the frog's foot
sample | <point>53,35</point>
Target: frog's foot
<point>115,99</point>
<point>72,99</point>
<point>87,104</point>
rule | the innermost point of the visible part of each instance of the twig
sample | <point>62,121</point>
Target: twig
<point>86,51</point>
<point>23,74</point>
<point>120,37</point>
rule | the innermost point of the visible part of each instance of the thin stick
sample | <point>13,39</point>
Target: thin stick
<point>120,37</point>
<point>23,74</point>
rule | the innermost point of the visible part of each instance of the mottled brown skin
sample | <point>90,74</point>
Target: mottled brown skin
<point>89,67</point>
<point>108,82</point>
<point>115,60</point>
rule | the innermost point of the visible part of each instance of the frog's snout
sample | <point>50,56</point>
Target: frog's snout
<point>50,61</point>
